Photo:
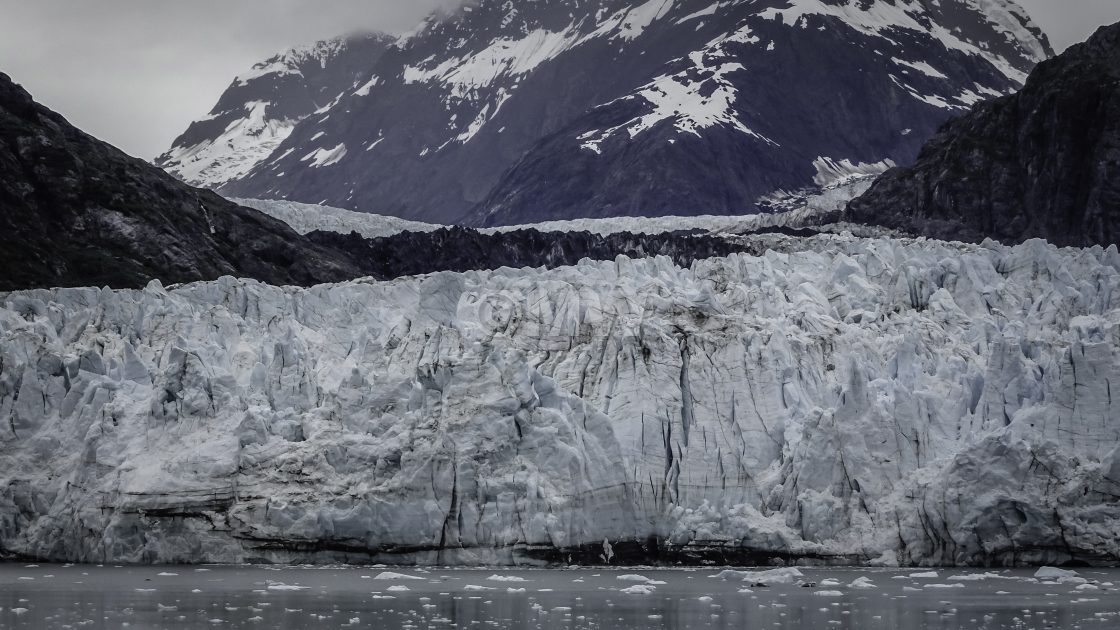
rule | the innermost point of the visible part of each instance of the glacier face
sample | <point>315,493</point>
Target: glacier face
<point>836,398</point>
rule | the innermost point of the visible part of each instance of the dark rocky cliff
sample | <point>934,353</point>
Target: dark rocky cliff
<point>75,211</point>
<point>1043,163</point>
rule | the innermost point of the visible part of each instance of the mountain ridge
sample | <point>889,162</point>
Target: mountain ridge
<point>611,105</point>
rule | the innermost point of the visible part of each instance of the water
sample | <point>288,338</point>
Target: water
<point>64,596</point>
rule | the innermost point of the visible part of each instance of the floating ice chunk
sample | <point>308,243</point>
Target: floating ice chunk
<point>828,593</point>
<point>954,585</point>
<point>476,587</point>
<point>398,588</point>
<point>862,583</point>
<point>977,577</point>
<point>639,589</point>
<point>1053,573</point>
<point>631,577</point>
<point>279,586</point>
<point>506,578</point>
<point>389,575</point>
<point>925,575</point>
<point>787,575</point>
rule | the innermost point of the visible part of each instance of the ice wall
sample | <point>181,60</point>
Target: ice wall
<point>844,399</point>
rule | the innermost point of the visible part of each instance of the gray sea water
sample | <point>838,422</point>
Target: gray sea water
<point>94,597</point>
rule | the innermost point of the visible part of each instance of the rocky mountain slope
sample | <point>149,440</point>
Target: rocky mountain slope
<point>75,211</point>
<point>1044,163</point>
<point>510,113</point>
<point>838,399</point>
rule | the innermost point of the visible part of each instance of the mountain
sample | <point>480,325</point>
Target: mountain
<point>833,399</point>
<point>1043,163</point>
<point>262,107</point>
<point>75,211</point>
<point>519,112</point>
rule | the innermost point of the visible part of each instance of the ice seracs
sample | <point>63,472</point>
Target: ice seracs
<point>836,398</point>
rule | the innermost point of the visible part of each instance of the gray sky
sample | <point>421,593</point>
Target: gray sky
<point>136,72</point>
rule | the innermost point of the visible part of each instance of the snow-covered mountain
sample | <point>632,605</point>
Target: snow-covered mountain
<point>261,107</point>
<point>836,398</point>
<point>517,112</point>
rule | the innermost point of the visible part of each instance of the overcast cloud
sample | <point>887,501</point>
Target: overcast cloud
<point>136,72</point>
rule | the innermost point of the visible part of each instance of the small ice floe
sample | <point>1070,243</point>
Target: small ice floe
<point>163,608</point>
<point>1054,573</point>
<point>145,590</point>
<point>280,586</point>
<point>862,582</point>
<point>954,585</point>
<point>787,575</point>
<point>828,593</point>
<point>515,590</point>
<point>382,597</point>
<point>389,575</point>
<point>167,574</point>
<point>505,578</point>
<point>924,575</point>
<point>18,611</point>
<point>704,599</point>
<point>639,589</point>
<point>632,577</point>
<point>398,588</point>
<point>975,577</point>
<point>476,587</point>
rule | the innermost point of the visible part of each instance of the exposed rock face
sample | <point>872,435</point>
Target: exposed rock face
<point>465,249</point>
<point>76,211</point>
<point>1044,163</point>
<point>837,398</point>
<point>517,112</point>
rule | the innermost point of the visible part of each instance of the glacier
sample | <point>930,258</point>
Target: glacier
<point>833,399</point>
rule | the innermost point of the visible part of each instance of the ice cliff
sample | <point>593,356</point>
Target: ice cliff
<point>836,399</point>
